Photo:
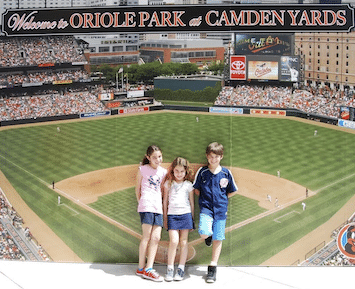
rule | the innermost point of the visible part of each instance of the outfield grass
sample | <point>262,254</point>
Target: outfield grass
<point>32,157</point>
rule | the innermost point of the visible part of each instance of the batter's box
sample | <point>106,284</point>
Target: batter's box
<point>277,220</point>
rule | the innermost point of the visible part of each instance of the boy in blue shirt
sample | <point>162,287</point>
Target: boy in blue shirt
<point>214,185</point>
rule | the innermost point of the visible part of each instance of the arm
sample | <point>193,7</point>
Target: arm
<point>165,190</point>
<point>192,202</point>
<point>138,185</point>
<point>233,188</point>
<point>196,183</point>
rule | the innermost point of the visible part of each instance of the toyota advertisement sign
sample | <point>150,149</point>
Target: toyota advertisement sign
<point>238,68</point>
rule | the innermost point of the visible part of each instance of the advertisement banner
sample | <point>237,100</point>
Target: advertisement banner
<point>135,93</point>
<point>105,96</point>
<point>344,112</point>
<point>265,70</point>
<point>133,110</point>
<point>95,114</point>
<point>268,112</point>
<point>233,110</point>
<point>238,67</point>
<point>67,81</point>
<point>176,18</point>
<point>346,123</point>
<point>113,104</point>
<point>289,68</point>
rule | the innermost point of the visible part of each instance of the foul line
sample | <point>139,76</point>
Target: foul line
<point>101,215</point>
<point>78,202</point>
<point>42,181</point>
<point>277,219</point>
<point>75,212</point>
<point>334,183</point>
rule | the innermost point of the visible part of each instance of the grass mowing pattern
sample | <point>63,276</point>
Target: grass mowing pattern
<point>33,157</point>
<point>120,205</point>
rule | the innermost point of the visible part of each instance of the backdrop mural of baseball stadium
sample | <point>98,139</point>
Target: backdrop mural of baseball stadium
<point>86,147</point>
<point>286,18</point>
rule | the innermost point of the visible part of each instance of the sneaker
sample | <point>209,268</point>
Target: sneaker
<point>139,272</point>
<point>169,275</point>
<point>179,275</point>
<point>211,274</point>
<point>152,275</point>
<point>208,241</point>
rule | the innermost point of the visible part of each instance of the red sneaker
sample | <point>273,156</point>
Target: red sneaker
<point>140,272</point>
<point>152,275</point>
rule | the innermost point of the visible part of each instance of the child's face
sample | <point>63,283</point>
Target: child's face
<point>214,159</point>
<point>155,159</point>
<point>179,173</point>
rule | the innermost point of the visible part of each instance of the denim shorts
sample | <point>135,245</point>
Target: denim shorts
<point>153,219</point>
<point>180,222</point>
<point>210,227</point>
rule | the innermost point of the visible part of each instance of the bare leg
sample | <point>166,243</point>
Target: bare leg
<point>216,251</point>
<point>174,241</point>
<point>153,245</point>
<point>183,246</point>
<point>143,246</point>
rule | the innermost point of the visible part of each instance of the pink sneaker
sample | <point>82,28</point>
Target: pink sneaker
<point>152,275</point>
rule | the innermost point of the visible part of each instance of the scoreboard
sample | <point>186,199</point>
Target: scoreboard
<point>265,68</point>
<point>264,57</point>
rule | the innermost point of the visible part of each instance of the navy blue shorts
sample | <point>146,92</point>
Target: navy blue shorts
<point>180,222</point>
<point>153,219</point>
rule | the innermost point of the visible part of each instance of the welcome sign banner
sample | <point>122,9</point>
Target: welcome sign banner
<point>176,18</point>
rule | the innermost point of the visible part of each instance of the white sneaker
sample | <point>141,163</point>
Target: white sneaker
<point>169,275</point>
<point>179,275</point>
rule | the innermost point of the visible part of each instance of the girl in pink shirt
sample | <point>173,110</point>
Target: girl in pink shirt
<point>150,208</point>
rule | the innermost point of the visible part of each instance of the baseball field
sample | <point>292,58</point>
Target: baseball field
<point>93,164</point>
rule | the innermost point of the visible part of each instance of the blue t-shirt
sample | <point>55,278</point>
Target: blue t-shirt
<point>214,190</point>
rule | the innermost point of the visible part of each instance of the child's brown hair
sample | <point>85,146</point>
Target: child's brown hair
<point>150,150</point>
<point>216,148</point>
<point>179,161</point>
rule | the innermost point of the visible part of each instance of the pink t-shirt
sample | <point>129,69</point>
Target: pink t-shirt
<point>151,194</point>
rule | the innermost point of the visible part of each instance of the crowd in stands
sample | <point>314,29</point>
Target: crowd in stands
<point>318,101</point>
<point>42,77</point>
<point>338,259</point>
<point>34,51</point>
<point>324,102</point>
<point>8,248</point>
<point>47,105</point>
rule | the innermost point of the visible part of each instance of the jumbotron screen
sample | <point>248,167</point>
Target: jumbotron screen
<point>263,43</point>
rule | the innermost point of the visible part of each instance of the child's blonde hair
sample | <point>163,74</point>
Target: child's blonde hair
<point>179,161</point>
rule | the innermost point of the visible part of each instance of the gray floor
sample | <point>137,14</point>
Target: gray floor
<point>17,274</point>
